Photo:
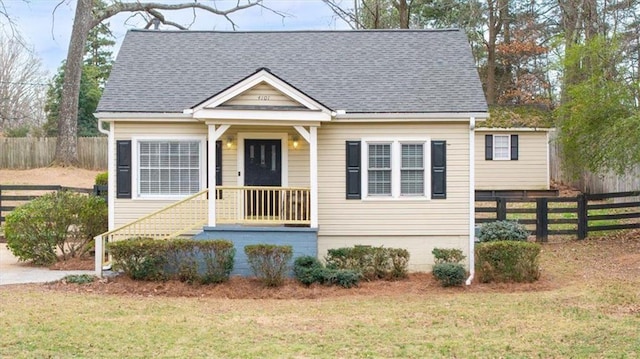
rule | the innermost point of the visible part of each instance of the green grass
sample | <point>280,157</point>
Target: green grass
<point>588,305</point>
<point>545,324</point>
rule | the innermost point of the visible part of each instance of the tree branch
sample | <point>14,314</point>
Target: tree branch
<point>119,7</point>
<point>345,16</point>
<point>158,15</point>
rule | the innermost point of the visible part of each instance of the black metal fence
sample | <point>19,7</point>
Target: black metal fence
<point>576,216</point>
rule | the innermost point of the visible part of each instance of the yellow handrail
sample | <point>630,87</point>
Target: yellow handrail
<point>168,222</point>
<point>234,204</point>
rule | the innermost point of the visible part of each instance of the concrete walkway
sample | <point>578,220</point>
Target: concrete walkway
<point>14,272</point>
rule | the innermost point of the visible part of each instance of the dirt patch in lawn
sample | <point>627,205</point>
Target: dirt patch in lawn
<point>64,176</point>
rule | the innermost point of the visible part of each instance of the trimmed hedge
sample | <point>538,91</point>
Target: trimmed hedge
<point>503,231</point>
<point>309,270</point>
<point>371,262</point>
<point>447,255</point>
<point>102,179</point>
<point>140,258</point>
<point>205,261</point>
<point>507,261</point>
<point>269,262</point>
<point>449,274</point>
<point>447,268</point>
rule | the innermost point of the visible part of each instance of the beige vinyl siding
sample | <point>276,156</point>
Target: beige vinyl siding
<point>339,217</point>
<point>128,210</point>
<point>262,95</point>
<point>530,171</point>
<point>419,247</point>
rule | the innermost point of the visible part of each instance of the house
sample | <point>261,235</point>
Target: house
<point>512,150</point>
<point>513,158</point>
<point>316,139</point>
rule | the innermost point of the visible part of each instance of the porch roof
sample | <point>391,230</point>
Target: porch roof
<point>385,71</point>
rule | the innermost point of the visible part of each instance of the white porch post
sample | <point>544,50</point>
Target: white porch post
<point>211,221</point>
<point>214,134</point>
<point>313,173</point>
<point>311,137</point>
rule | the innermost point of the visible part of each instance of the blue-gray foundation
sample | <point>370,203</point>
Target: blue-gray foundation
<point>303,240</point>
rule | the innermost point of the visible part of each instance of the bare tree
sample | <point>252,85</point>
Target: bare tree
<point>22,85</point>
<point>88,16</point>
<point>376,14</point>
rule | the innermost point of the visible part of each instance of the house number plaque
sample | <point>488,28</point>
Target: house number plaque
<point>264,98</point>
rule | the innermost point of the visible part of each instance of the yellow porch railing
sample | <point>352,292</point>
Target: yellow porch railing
<point>174,220</point>
<point>263,205</point>
<point>234,205</point>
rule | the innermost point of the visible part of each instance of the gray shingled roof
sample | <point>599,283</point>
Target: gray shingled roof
<point>356,71</point>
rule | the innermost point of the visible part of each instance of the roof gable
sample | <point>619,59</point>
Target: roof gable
<point>390,71</point>
<point>264,90</point>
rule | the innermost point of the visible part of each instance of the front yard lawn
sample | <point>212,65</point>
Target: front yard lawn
<point>587,304</point>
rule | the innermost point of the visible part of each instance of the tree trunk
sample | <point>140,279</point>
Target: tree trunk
<point>66,145</point>
<point>403,13</point>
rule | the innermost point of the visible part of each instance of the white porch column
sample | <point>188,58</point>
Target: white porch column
<point>211,150</point>
<point>313,173</point>
<point>213,136</point>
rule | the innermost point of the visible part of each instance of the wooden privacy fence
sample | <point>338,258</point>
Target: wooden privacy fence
<point>12,196</point>
<point>576,216</point>
<point>31,152</point>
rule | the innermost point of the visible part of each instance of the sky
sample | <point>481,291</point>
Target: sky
<point>48,32</point>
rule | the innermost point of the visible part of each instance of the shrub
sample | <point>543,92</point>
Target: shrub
<point>447,255</point>
<point>140,258</point>
<point>102,179</point>
<point>503,231</point>
<point>181,260</point>
<point>449,274</point>
<point>507,261</point>
<point>371,262</point>
<point>190,261</point>
<point>79,278</point>
<point>218,256</point>
<point>346,278</point>
<point>399,262</point>
<point>308,270</point>
<point>269,262</point>
<point>62,220</point>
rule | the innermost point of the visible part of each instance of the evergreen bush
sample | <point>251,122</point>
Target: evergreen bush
<point>503,231</point>
<point>507,261</point>
<point>449,274</point>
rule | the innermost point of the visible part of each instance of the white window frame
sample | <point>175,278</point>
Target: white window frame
<point>508,156</point>
<point>396,162</point>
<point>135,158</point>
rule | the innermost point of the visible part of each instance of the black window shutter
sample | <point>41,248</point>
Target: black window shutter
<point>438,169</point>
<point>514,147</point>
<point>123,164</point>
<point>353,170</point>
<point>488,147</point>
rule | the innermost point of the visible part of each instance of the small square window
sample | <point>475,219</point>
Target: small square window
<point>501,147</point>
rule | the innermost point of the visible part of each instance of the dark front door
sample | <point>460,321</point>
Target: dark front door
<point>262,167</point>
